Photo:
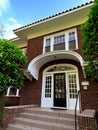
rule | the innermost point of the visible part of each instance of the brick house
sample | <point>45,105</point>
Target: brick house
<point>55,70</point>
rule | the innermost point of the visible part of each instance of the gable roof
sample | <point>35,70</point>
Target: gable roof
<point>53,16</point>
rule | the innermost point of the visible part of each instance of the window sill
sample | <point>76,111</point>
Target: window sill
<point>12,96</point>
<point>61,50</point>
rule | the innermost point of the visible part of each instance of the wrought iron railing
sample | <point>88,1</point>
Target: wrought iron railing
<point>77,99</point>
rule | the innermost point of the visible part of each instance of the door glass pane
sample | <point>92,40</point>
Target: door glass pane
<point>59,86</point>
<point>48,85</point>
<point>59,90</point>
<point>72,85</point>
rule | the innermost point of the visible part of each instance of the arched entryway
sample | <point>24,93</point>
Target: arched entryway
<point>35,65</point>
<point>60,85</point>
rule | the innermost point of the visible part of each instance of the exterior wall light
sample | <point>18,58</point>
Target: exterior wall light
<point>85,84</point>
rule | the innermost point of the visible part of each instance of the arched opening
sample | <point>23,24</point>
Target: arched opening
<point>60,86</point>
<point>42,59</point>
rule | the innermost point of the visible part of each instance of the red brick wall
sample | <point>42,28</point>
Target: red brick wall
<point>90,97</point>
<point>35,45</point>
<point>31,93</point>
<point>10,114</point>
<point>87,120</point>
<point>79,35</point>
<point>12,100</point>
<point>34,48</point>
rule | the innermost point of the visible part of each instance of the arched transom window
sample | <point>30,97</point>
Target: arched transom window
<point>60,67</point>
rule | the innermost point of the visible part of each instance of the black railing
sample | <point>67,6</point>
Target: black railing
<point>77,99</point>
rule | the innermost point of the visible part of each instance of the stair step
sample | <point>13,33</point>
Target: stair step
<point>50,112</point>
<point>48,118</point>
<point>37,118</point>
<point>22,127</point>
<point>43,124</point>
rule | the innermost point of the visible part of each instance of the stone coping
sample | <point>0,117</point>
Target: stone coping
<point>87,113</point>
<point>20,106</point>
<point>12,96</point>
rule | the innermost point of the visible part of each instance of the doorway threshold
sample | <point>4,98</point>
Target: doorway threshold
<point>59,108</point>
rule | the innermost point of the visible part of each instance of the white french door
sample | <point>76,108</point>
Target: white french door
<point>47,91</point>
<point>60,88</point>
<point>73,87</point>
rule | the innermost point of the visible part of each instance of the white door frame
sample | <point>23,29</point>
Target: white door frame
<point>49,101</point>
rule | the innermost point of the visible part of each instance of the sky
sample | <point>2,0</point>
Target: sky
<point>18,13</point>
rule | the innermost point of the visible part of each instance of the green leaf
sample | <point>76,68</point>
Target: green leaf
<point>90,42</point>
<point>11,61</point>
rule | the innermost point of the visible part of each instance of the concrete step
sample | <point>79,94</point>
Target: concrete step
<point>48,118</point>
<point>57,113</point>
<point>43,124</point>
<point>22,127</point>
<point>44,119</point>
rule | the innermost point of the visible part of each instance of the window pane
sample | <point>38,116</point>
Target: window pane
<point>59,42</point>
<point>61,68</point>
<point>59,39</point>
<point>60,46</point>
<point>47,49</point>
<point>12,91</point>
<point>48,86</point>
<point>72,45</point>
<point>48,42</point>
<point>72,41</point>
<point>72,85</point>
<point>47,45</point>
<point>71,36</point>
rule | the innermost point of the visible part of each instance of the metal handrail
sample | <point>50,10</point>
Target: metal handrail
<point>78,98</point>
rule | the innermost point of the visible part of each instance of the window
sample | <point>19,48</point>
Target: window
<point>12,91</point>
<point>72,41</point>
<point>61,68</point>
<point>59,42</point>
<point>72,86</point>
<point>72,36</point>
<point>47,45</point>
<point>66,40</point>
<point>48,85</point>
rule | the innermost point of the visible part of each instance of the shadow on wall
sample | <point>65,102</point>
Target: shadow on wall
<point>12,100</point>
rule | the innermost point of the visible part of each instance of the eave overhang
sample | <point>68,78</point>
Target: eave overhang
<point>42,59</point>
<point>72,17</point>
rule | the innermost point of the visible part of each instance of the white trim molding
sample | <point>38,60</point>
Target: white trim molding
<point>42,59</point>
<point>9,90</point>
<point>71,73</point>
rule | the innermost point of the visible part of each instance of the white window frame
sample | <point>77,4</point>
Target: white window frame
<point>76,38</point>
<point>66,33</point>
<point>9,89</point>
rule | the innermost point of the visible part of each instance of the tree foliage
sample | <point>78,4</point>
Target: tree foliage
<point>12,60</point>
<point>90,42</point>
